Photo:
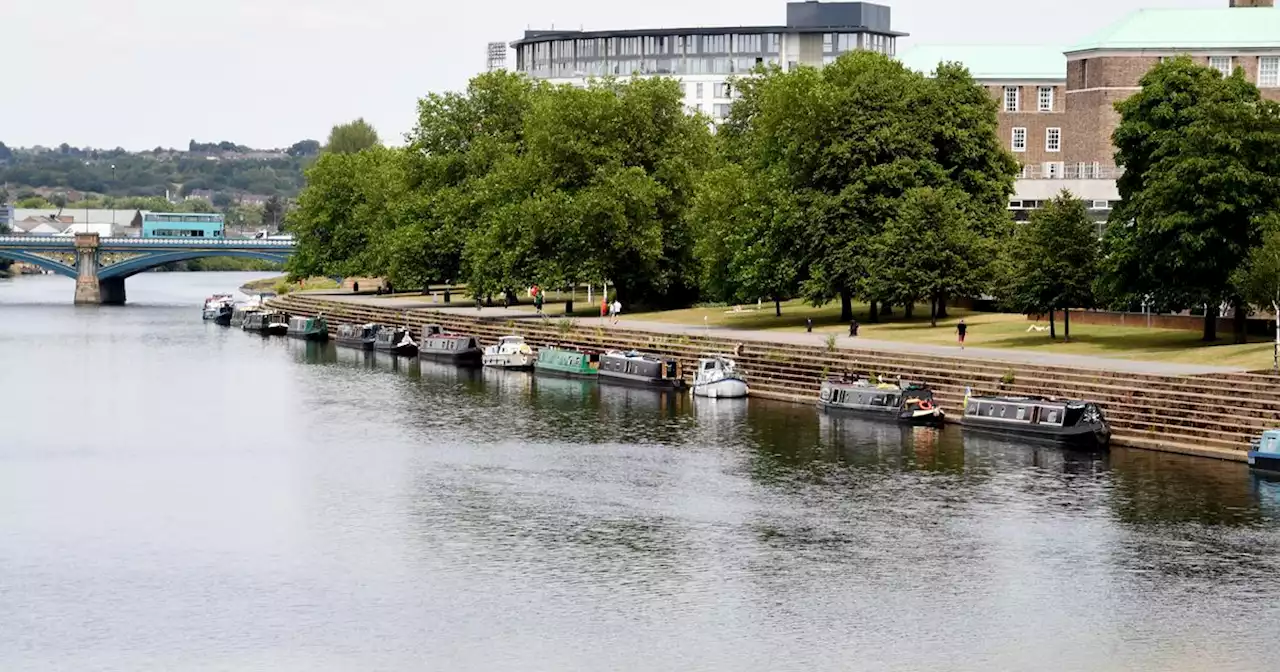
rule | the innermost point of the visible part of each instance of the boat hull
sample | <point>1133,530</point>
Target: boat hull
<point>564,373</point>
<point>316,336</point>
<point>934,417</point>
<point>357,343</point>
<point>278,329</point>
<point>725,388</point>
<point>631,380</point>
<point>1084,437</point>
<point>509,362</point>
<point>1264,461</point>
<point>469,358</point>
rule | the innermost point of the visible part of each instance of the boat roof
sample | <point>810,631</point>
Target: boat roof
<point>1030,399</point>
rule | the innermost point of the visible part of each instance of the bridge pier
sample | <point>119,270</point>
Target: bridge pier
<point>88,289</point>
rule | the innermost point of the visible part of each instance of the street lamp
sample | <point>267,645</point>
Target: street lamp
<point>113,200</point>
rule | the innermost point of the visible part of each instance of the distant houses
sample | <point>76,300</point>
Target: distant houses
<point>70,221</point>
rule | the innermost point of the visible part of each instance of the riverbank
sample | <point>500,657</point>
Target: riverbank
<point>1173,408</point>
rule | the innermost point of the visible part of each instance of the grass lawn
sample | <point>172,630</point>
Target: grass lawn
<point>986,330</point>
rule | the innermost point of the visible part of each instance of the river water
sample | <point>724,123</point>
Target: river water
<point>180,496</point>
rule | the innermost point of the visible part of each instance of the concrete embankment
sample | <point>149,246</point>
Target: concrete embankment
<point>1213,415</point>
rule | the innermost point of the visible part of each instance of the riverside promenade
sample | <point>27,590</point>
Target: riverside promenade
<point>843,342</point>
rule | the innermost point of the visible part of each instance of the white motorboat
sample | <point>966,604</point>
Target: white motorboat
<point>718,378</point>
<point>511,352</point>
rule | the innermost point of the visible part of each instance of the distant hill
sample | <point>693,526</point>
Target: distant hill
<point>223,172</point>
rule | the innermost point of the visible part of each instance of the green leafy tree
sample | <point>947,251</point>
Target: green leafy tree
<point>304,148</point>
<point>1200,153</point>
<point>1259,278</point>
<point>351,137</point>
<point>342,213</point>
<point>273,212</point>
<point>1052,261</point>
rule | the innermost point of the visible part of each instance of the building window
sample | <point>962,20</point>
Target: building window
<point>1019,139</point>
<point>827,43</point>
<point>1269,71</point>
<point>1046,99</point>
<point>721,90</point>
<point>721,110</point>
<point>1010,99</point>
<point>699,96</point>
<point>1221,64</point>
<point>1053,139</point>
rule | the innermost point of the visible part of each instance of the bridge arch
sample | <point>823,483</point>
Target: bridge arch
<point>37,260</point>
<point>130,267</point>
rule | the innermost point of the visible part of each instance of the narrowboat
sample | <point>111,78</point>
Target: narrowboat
<point>218,309</point>
<point>243,309</point>
<point>358,336</point>
<point>457,349</point>
<point>1264,451</point>
<point>510,352</point>
<point>309,328</point>
<point>266,322</point>
<point>636,369</point>
<point>911,404</point>
<point>395,340</point>
<point>567,362</point>
<point>718,378</point>
<point>1077,423</point>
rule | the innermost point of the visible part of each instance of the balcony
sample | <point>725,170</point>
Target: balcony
<point>1070,171</point>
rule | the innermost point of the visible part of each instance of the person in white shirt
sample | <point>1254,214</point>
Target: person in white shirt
<point>616,309</point>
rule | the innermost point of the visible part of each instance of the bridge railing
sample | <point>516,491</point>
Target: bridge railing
<point>70,243</point>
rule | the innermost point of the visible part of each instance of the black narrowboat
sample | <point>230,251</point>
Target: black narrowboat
<point>395,340</point>
<point>910,403</point>
<point>1069,422</point>
<point>359,336</point>
<point>640,370</point>
<point>456,349</point>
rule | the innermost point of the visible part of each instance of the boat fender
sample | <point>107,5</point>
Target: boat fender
<point>926,405</point>
<point>825,395</point>
<point>737,350</point>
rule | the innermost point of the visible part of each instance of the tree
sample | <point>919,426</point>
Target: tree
<point>352,137</point>
<point>273,213</point>
<point>1259,278</point>
<point>304,148</point>
<point>1200,153</point>
<point>1052,261</point>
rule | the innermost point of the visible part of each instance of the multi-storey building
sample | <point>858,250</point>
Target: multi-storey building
<point>495,57</point>
<point>1057,106</point>
<point>704,59</point>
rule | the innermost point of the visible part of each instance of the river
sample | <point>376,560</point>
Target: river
<point>180,496</point>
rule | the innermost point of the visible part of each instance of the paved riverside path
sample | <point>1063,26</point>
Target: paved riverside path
<point>1011,355</point>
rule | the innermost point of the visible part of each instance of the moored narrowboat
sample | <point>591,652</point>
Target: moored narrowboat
<point>359,336</point>
<point>218,309</point>
<point>1070,422</point>
<point>277,323</point>
<point>457,349</point>
<point>567,362</point>
<point>510,353</point>
<point>266,322</point>
<point>718,378</point>
<point>309,328</point>
<point>395,340</point>
<point>1264,451</point>
<point>640,370</point>
<point>910,403</point>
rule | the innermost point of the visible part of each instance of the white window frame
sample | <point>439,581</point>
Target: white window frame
<point>1218,65</point>
<point>1053,139</point>
<point>1053,170</point>
<point>1044,98</point>
<point>1019,132</point>
<point>1015,99</point>
<point>1274,71</point>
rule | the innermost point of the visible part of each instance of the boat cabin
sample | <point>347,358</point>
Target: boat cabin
<point>1028,411</point>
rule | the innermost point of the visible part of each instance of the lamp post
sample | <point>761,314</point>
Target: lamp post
<point>113,201</point>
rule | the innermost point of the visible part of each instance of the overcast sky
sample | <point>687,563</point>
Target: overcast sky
<point>266,73</point>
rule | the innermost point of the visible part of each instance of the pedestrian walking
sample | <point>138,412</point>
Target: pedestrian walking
<point>537,302</point>
<point>616,309</point>
<point>853,328</point>
<point>961,330</point>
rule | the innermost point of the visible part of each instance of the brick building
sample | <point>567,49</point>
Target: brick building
<point>1057,109</point>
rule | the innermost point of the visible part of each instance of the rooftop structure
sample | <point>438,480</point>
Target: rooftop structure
<point>1235,27</point>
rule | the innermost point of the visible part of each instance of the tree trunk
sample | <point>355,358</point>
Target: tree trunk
<point>1210,323</point>
<point>568,306</point>
<point>846,307</point>
<point>942,305</point>
<point>909,309</point>
<point>777,307</point>
<point>1053,325</point>
<point>933,312</point>
<point>1066,325</point>
<point>1275,351</point>
<point>1240,323</point>
<point>875,312</point>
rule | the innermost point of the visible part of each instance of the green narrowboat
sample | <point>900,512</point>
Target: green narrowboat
<point>567,363</point>
<point>309,328</point>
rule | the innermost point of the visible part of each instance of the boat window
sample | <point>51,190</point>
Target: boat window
<point>878,400</point>
<point>1270,445</point>
<point>1051,416</point>
<point>971,410</point>
<point>893,401</point>
<point>1022,412</point>
<point>708,366</point>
